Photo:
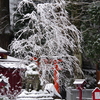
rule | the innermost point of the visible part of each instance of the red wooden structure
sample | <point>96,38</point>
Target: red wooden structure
<point>55,68</point>
<point>56,77</point>
<point>80,86</point>
<point>11,68</point>
<point>96,94</point>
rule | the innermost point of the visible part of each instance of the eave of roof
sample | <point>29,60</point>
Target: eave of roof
<point>14,65</point>
<point>79,81</point>
<point>10,59</point>
<point>3,51</point>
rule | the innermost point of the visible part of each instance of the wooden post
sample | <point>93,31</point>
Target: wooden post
<point>80,93</point>
<point>56,77</point>
<point>80,85</point>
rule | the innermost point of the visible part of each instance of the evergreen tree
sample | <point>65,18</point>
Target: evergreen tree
<point>91,32</point>
<point>85,15</point>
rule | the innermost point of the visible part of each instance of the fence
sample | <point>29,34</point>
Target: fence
<point>73,94</point>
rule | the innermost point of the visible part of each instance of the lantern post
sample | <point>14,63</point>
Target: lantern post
<point>80,86</point>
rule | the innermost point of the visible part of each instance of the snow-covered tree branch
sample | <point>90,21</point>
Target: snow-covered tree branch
<point>44,31</point>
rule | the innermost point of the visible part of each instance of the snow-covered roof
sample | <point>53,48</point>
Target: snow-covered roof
<point>9,59</point>
<point>10,62</point>
<point>12,65</point>
<point>79,81</point>
<point>3,50</point>
<point>96,89</point>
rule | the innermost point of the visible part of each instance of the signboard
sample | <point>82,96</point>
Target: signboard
<point>96,94</point>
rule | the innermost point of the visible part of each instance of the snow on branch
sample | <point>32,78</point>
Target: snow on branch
<point>46,31</point>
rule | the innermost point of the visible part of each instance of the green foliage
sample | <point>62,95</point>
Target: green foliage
<point>85,15</point>
<point>74,9</point>
<point>91,32</point>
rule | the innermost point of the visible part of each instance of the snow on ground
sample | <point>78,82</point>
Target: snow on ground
<point>4,98</point>
<point>47,94</point>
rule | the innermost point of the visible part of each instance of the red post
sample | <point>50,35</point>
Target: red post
<point>56,69</point>
<point>56,77</point>
<point>80,93</point>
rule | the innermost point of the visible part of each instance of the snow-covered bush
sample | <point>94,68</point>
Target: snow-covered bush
<point>4,98</point>
<point>4,85</point>
<point>4,80</point>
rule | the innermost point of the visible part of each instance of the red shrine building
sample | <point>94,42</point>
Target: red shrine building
<point>12,69</point>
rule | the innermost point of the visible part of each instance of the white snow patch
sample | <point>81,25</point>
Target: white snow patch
<point>48,94</point>
<point>30,70</point>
